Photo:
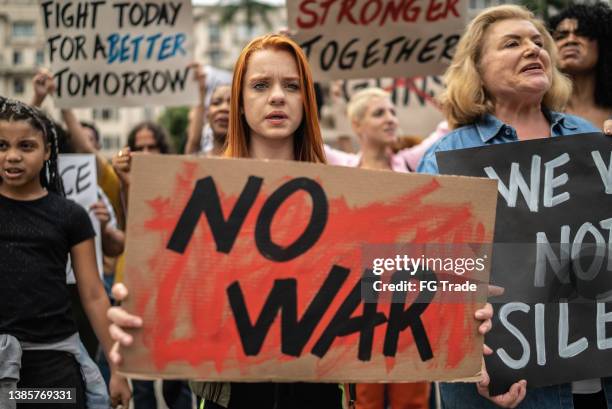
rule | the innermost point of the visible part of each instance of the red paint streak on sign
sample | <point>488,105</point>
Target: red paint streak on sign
<point>411,85</point>
<point>211,334</point>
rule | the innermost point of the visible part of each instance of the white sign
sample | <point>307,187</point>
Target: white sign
<point>120,53</point>
<point>81,185</point>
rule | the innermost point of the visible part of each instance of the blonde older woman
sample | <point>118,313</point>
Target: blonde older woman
<point>503,86</point>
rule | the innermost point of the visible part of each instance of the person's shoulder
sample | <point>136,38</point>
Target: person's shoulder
<point>67,206</point>
<point>58,199</point>
<point>466,136</point>
<point>462,137</point>
<point>577,124</point>
<point>107,173</point>
<point>338,157</point>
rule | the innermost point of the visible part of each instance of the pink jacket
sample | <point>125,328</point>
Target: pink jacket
<point>404,161</point>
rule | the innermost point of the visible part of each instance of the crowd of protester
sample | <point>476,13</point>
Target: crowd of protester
<point>512,79</point>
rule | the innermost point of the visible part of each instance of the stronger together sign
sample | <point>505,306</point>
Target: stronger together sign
<point>377,38</point>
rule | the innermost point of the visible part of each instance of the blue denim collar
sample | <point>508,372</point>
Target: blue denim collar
<point>489,126</point>
<point>561,120</point>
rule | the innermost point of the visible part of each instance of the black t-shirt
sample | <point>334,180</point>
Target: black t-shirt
<point>35,240</point>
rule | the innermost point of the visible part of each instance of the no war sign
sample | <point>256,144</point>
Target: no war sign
<point>252,270</point>
<point>120,53</point>
<point>377,38</point>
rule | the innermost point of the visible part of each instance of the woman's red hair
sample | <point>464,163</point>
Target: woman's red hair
<point>308,144</point>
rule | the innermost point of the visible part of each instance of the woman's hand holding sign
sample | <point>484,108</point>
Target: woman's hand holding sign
<point>517,391</point>
<point>121,321</point>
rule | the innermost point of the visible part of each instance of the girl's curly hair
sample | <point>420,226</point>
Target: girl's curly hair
<point>12,110</point>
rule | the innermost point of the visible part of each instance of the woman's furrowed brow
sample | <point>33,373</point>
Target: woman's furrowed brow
<point>258,77</point>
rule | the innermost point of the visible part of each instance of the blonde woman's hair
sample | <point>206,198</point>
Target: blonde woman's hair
<point>358,104</point>
<point>465,100</point>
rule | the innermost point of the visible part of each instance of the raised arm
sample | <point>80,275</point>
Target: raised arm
<point>80,140</point>
<point>197,114</point>
<point>113,239</point>
<point>43,84</point>
<point>122,164</point>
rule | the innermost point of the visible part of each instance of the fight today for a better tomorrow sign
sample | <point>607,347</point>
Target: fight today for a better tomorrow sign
<point>120,53</point>
<point>251,270</point>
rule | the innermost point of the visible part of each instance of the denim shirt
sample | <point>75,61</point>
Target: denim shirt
<point>491,131</point>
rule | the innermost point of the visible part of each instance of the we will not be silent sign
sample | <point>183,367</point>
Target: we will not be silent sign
<point>553,255</point>
<point>120,53</point>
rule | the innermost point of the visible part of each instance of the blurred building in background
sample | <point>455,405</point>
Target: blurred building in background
<point>220,36</point>
<point>221,30</point>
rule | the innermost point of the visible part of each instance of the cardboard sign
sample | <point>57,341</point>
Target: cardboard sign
<point>372,39</point>
<point>251,270</point>
<point>414,99</point>
<point>81,185</point>
<point>120,53</point>
<point>554,257</point>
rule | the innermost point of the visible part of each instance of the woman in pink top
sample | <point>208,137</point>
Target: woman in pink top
<point>374,121</point>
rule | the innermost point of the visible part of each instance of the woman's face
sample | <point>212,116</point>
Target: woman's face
<point>218,110</point>
<point>379,123</point>
<point>514,65</point>
<point>577,53</point>
<point>271,94</point>
<point>144,141</point>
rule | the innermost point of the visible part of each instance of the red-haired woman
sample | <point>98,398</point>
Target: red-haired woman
<point>273,115</point>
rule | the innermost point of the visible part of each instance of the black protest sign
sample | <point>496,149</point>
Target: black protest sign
<point>120,53</point>
<point>371,39</point>
<point>552,254</point>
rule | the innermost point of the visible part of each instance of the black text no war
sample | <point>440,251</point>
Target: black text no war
<point>282,297</point>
